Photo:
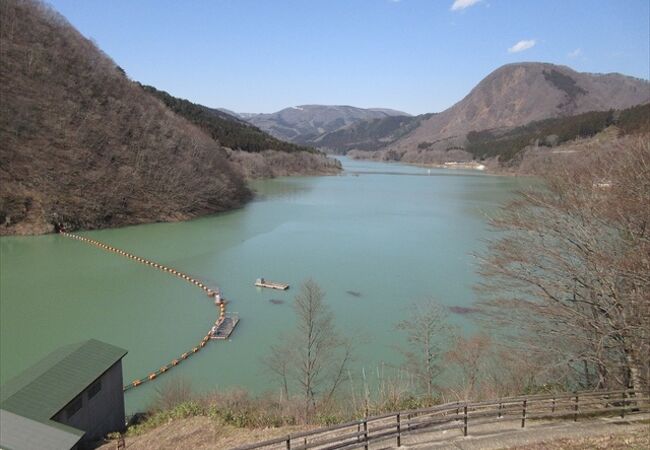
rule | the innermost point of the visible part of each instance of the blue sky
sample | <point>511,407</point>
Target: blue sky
<point>413,55</point>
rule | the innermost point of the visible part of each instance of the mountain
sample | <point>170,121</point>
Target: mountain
<point>85,147</point>
<point>511,96</point>
<point>303,124</point>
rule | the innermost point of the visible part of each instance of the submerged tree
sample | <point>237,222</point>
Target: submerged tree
<point>569,278</point>
<point>312,361</point>
<point>427,331</point>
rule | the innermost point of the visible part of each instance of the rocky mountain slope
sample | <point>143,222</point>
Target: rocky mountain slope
<point>85,147</point>
<point>514,95</point>
<point>303,124</point>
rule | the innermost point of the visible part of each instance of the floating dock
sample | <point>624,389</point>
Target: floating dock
<point>224,328</point>
<point>261,282</point>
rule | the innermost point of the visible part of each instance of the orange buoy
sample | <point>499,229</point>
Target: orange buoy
<point>210,292</point>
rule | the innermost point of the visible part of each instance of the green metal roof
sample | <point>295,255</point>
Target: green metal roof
<point>44,389</point>
<point>18,432</point>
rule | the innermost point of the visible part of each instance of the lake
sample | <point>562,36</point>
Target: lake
<point>388,233</point>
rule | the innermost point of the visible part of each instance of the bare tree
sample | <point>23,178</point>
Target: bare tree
<point>314,358</point>
<point>469,356</point>
<point>278,362</point>
<point>569,279</point>
<point>427,330</point>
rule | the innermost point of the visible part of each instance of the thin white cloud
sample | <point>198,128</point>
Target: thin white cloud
<point>574,54</point>
<point>522,45</point>
<point>462,4</point>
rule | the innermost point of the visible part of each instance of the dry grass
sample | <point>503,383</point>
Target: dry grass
<point>200,433</point>
<point>629,440</point>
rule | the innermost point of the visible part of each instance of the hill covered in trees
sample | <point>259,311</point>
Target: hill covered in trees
<point>371,134</point>
<point>508,144</point>
<point>84,146</point>
<point>226,129</point>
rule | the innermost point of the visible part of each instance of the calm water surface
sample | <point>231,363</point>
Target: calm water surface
<point>392,233</point>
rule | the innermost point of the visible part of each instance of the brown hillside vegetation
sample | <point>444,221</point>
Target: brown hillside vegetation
<point>84,146</point>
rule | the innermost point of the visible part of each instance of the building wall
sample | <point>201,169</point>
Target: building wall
<point>97,410</point>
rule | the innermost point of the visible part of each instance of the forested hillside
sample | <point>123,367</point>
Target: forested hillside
<point>85,147</point>
<point>506,145</point>
<point>224,128</point>
<point>371,134</point>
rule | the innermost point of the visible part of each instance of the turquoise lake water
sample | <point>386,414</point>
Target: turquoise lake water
<point>393,233</point>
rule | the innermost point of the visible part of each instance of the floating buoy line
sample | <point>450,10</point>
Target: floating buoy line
<point>223,321</point>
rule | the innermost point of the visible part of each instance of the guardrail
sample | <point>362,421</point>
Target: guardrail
<point>461,416</point>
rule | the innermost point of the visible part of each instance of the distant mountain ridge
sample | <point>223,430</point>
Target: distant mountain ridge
<point>305,123</point>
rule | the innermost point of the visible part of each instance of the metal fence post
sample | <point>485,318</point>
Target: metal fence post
<point>289,442</point>
<point>523,414</point>
<point>399,431</point>
<point>553,406</point>
<point>575,413</point>
<point>465,420</point>
<point>499,413</point>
